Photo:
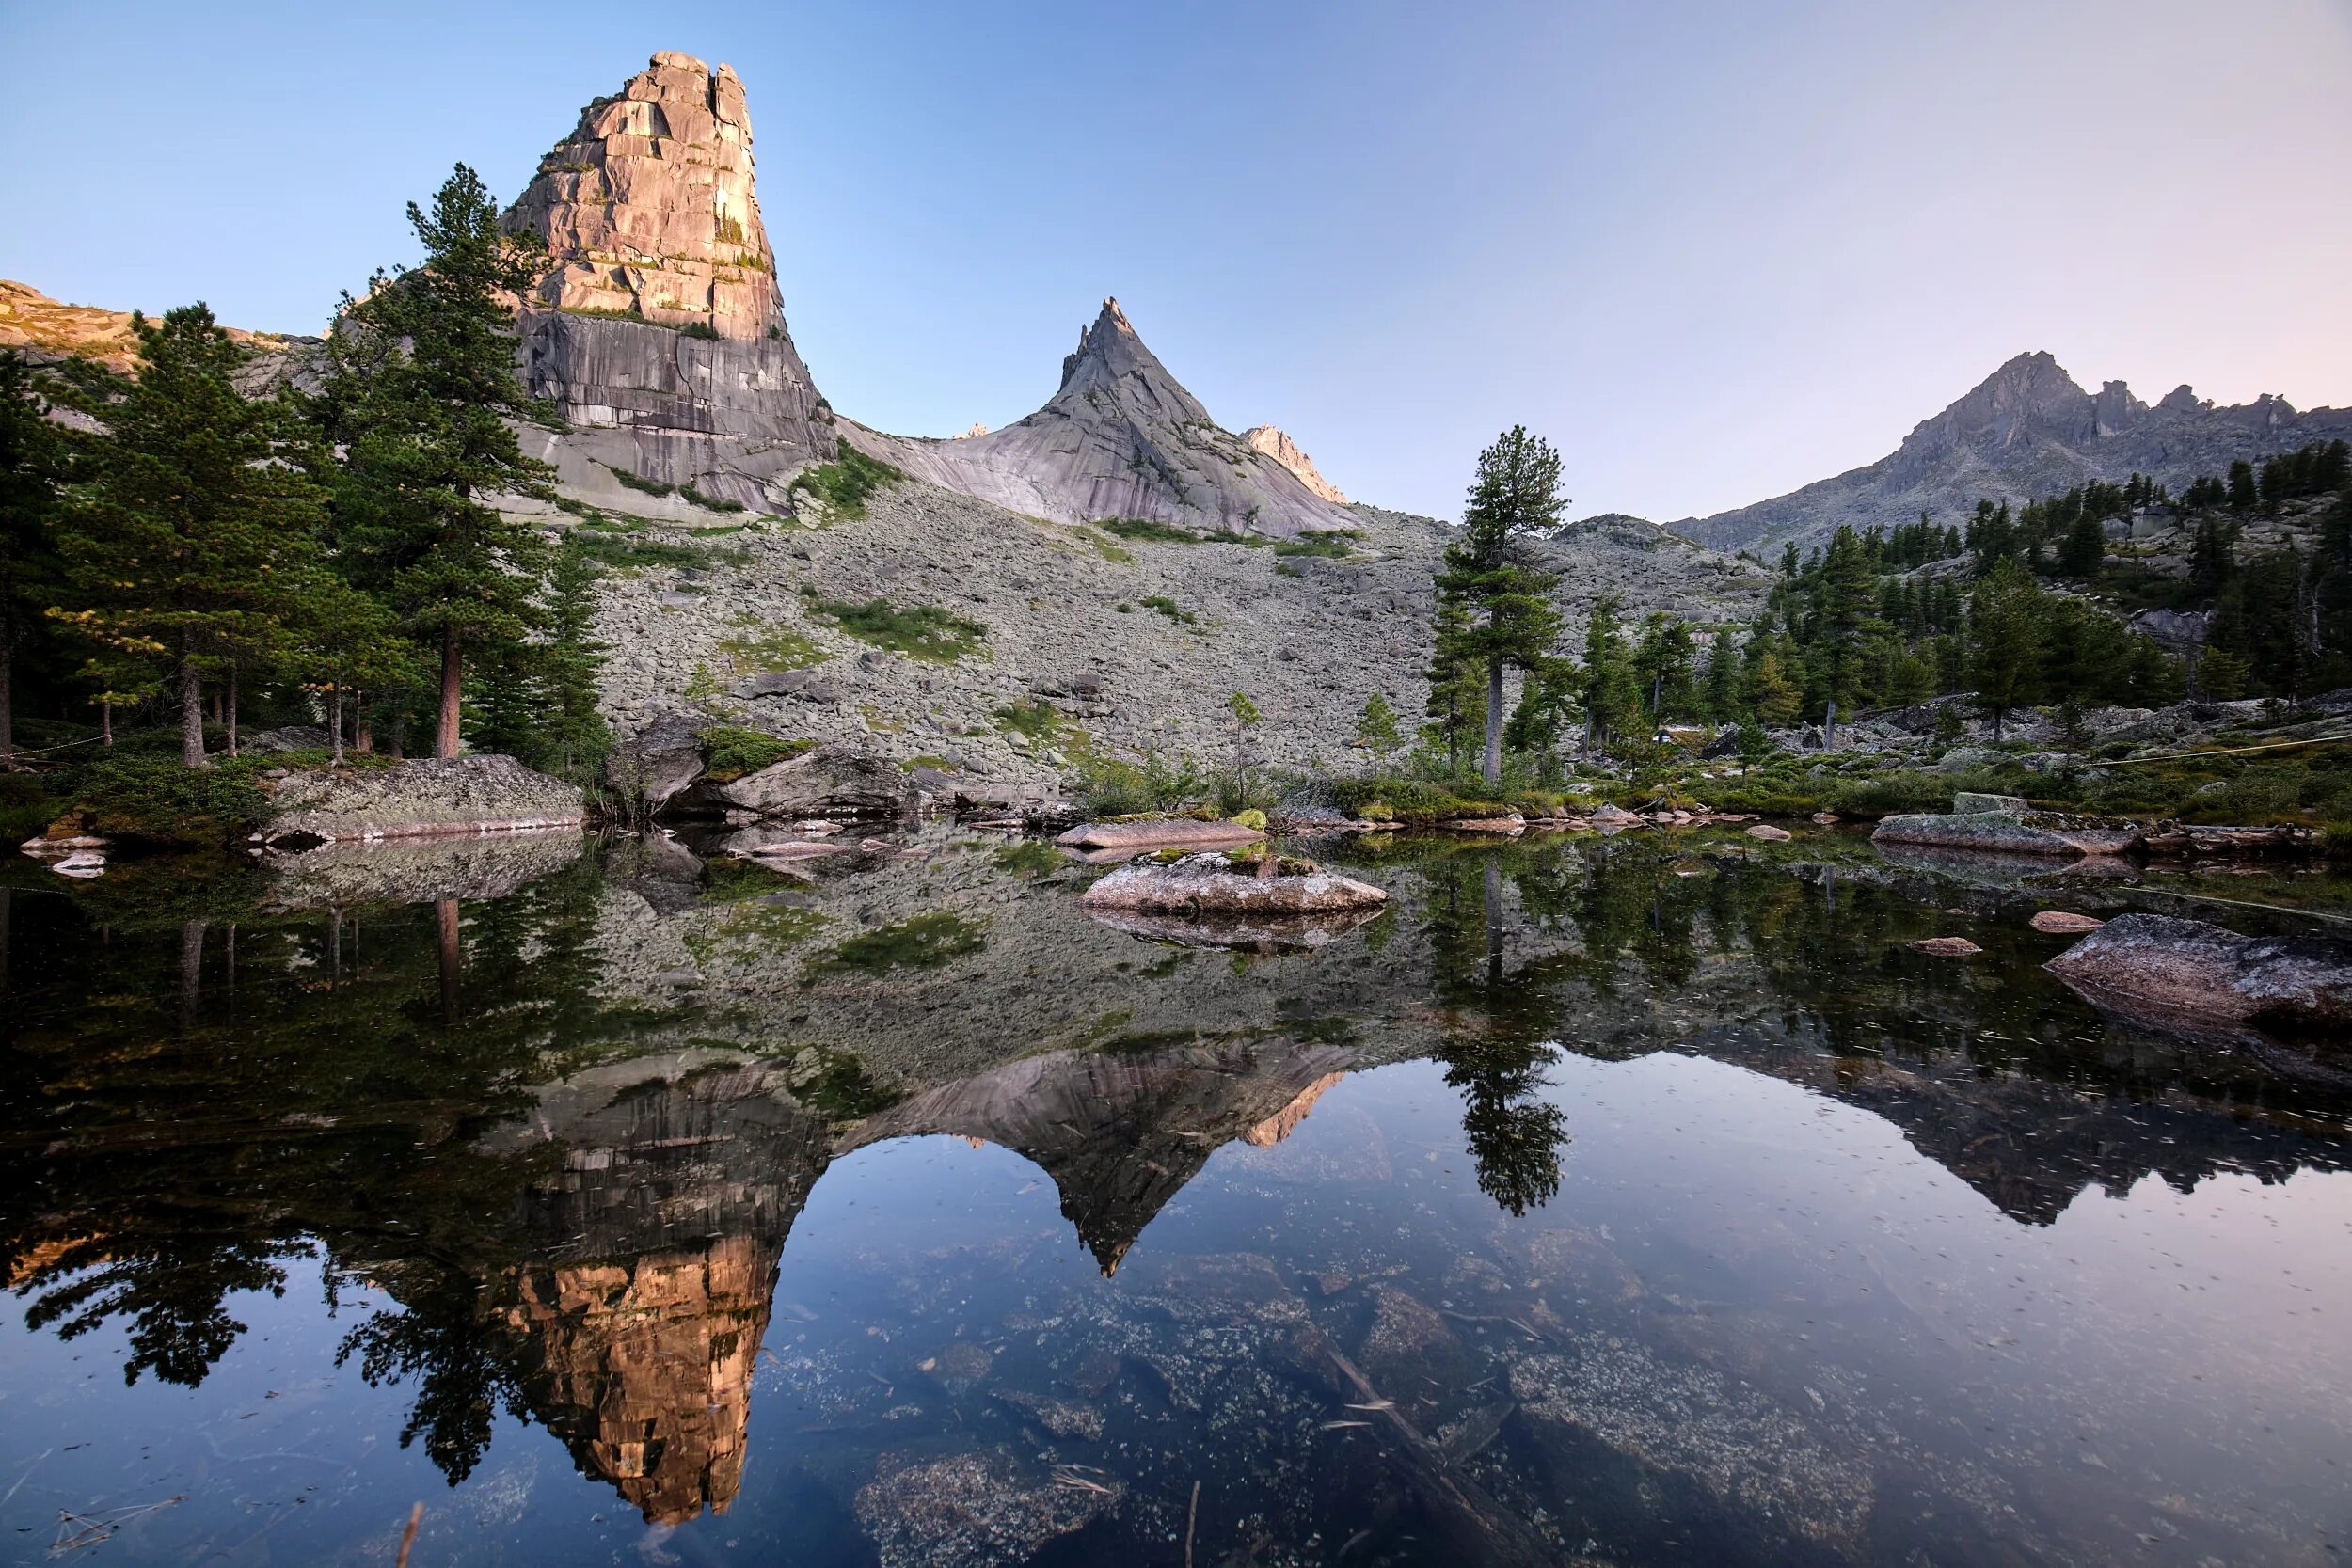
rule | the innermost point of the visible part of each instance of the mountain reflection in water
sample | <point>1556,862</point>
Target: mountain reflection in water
<point>546,1148</point>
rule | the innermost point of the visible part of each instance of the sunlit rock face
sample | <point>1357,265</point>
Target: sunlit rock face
<point>1277,444</point>
<point>1121,437</point>
<point>657,1240</point>
<point>660,320</point>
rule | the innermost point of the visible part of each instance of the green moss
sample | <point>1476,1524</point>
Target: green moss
<point>925,631</point>
<point>1030,857</point>
<point>1034,718</point>
<point>938,764</point>
<point>1147,531</point>
<point>768,650</point>
<point>841,1090</point>
<point>731,750</point>
<point>933,939</point>
<point>847,484</point>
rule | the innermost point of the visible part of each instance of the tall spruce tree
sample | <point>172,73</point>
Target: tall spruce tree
<point>1510,619</point>
<point>2005,639</point>
<point>33,465</point>
<point>192,541</point>
<point>1723,678</point>
<point>419,391</point>
<point>1457,686</point>
<point>1613,692</point>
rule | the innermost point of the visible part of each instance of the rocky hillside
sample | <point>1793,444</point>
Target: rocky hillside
<point>47,330</point>
<point>1134,642</point>
<point>2028,430</point>
<point>1121,438</point>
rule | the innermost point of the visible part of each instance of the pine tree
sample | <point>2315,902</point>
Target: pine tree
<point>1723,678</point>
<point>1663,667</point>
<point>2085,547</point>
<point>1773,695</point>
<point>1457,686</point>
<point>1377,731</point>
<point>2005,626</point>
<point>1510,619</point>
<point>1613,694</point>
<point>1547,704</point>
<point>419,391</point>
<point>33,463</point>
<point>188,545</point>
<point>2244,495</point>
<point>577,737</point>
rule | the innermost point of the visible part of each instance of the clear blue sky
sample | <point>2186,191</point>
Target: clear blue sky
<point>1713,250</point>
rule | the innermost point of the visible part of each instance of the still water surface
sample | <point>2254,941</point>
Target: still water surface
<point>1630,1202</point>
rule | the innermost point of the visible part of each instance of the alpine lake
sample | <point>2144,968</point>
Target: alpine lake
<point>1629,1200</point>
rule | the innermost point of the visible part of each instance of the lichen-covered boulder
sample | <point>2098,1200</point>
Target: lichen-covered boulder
<point>834,781</point>
<point>2193,967</point>
<point>659,762</point>
<point>425,798</point>
<point>1214,884</point>
<point>2010,832</point>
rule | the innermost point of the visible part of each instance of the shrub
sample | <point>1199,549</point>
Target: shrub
<point>1168,606</point>
<point>699,329</point>
<point>1149,532</point>
<point>1031,717</point>
<point>1116,786</point>
<point>846,483</point>
<point>768,651</point>
<point>645,487</point>
<point>1331,546</point>
<point>709,503</point>
<point>924,632</point>
<point>1249,817</point>
<point>1412,800</point>
<point>144,791</point>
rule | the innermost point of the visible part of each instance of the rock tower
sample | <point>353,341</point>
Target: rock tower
<point>660,320</point>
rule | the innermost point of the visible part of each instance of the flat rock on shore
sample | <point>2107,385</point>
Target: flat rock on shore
<point>426,798</point>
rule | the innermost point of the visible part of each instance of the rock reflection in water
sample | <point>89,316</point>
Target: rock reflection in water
<point>1252,934</point>
<point>586,1146</point>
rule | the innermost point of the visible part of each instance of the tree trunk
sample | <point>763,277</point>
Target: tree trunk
<point>106,718</point>
<point>362,738</point>
<point>232,707</point>
<point>335,721</point>
<point>1492,767</point>
<point>445,918</point>
<point>452,681</point>
<point>191,969</point>
<point>191,711</point>
<point>8,700</point>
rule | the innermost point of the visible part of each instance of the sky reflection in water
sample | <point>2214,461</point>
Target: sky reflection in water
<point>1642,1203</point>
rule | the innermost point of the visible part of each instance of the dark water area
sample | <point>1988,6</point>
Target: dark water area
<point>1617,1202</point>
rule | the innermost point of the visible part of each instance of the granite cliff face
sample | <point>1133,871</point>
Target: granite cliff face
<point>1279,446</point>
<point>2029,429</point>
<point>659,332</point>
<point>1121,438</point>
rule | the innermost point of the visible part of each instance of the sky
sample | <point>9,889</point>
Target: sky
<point>1710,251</point>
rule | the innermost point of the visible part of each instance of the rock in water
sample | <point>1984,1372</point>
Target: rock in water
<point>1210,884</point>
<point>424,798</point>
<point>1155,832</point>
<point>1764,832</point>
<point>2190,966</point>
<point>1122,438</point>
<point>1945,947</point>
<point>660,331</point>
<point>1279,446</point>
<point>2010,833</point>
<point>2063,921</point>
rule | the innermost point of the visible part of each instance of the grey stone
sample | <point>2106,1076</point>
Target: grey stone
<point>1968,802</point>
<point>2007,832</point>
<point>2192,968</point>
<point>833,779</point>
<point>428,796</point>
<point>659,762</point>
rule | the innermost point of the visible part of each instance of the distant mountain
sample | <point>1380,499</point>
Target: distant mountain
<point>2026,431</point>
<point>1120,438</point>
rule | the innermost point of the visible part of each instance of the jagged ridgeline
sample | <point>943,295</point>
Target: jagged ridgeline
<point>2029,429</point>
<point>660,336</point>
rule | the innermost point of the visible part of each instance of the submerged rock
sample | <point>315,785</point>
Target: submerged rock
<point>1213,885</point>
<point>2064,921</point>
<point>2191,968</point>
<point>426,798</point>
<point>984,1510</point>
<point>1945,947</point>
<point>1155,833</point>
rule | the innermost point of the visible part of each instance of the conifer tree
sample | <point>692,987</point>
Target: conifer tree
<point>1377,731</point>
<point>419,391</point>
<point>33,463</point>
<point>192,541</point>
<point>1612,694</point>
<point>1510,619</point>
<point>2244,495</point>
<point>2085,547</point>
<point>2005,633</point>
<point>1457,687</point>
<point>1723,678</point>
